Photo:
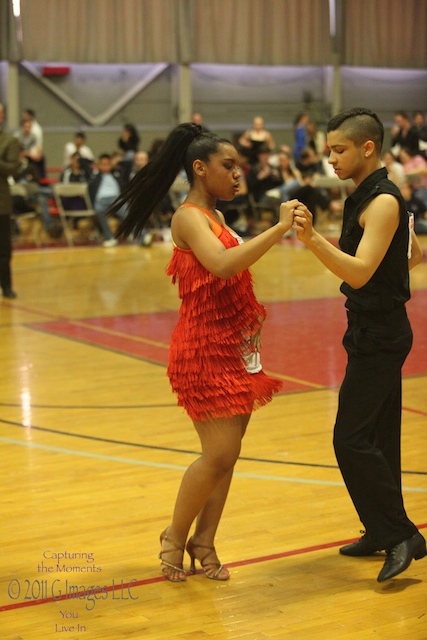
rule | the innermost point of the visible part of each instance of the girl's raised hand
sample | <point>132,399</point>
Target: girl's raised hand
<point>287,213</point>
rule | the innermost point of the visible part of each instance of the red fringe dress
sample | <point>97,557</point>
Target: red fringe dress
<point>217,316</point>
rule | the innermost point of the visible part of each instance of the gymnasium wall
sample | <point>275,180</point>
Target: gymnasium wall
<point>228,96</point>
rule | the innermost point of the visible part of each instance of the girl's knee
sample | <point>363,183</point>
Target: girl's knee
<point>223,462</point>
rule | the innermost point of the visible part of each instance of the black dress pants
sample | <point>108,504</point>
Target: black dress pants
<point>5,252</point>
<point>368,424</point>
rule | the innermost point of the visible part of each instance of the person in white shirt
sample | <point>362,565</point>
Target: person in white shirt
<point>79,145</point>
<point>36,130</point>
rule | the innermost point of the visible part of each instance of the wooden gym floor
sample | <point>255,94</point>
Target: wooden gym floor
<point>94,446</point>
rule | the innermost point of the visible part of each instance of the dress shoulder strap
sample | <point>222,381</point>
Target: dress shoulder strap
<point>217,227</point>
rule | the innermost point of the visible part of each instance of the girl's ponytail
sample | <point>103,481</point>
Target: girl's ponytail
<point>151,184</point>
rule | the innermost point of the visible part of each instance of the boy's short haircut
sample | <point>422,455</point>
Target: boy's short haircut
<point>359,125</point>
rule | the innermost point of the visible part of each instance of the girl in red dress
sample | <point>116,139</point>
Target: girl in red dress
<point>214,364</point>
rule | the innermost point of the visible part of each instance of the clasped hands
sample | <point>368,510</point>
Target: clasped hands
<point>294,214</point>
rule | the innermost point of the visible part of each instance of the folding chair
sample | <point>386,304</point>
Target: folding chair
<point>20,190</point>
<point>73,201</point>
<point>260,208</point>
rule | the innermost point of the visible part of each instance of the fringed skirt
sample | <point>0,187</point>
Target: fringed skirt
<point>208,347</point>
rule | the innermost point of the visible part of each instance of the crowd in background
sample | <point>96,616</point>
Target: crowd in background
<point>270,173</point>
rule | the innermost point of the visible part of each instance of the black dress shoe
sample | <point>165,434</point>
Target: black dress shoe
<point>401,555</point>
<point>363,547</point>
<point>8,293</point>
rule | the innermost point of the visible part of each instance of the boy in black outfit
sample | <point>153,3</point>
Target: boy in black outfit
<point>377,249</point>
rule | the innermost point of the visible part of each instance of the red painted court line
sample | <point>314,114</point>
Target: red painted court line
<point>139,583</point>
<point>417,411</point>
<point>297,552</point>
<point>126,344</point>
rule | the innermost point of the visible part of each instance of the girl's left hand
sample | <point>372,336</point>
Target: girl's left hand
<point>287,210</point>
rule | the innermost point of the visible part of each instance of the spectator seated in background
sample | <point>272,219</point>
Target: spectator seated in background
<point>120,168</point>
<point>29,200</point>
<point>29,174</point>
<point>415,168</point>
<point>262,176</point>
<point>30,147</point>
<point>256,138</point>
<point>292,178</point>
<point>86,154</point>
<point>128,144</point>
<point>74,172</point>
<point>104,188</point>
<point>309,163</point>
<point>416,206</point>
<point>403,134</point>
<point>420,125</point>
<point>139,161</point>
<point>37,132</point>
<point>311,166</point>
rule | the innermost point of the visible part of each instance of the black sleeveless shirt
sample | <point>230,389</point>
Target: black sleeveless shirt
<point>388,288</point>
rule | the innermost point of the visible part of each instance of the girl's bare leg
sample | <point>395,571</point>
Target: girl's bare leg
<point>205,484</point>
<point>209,516</point>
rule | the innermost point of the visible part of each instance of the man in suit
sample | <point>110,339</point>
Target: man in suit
<point>9,164</point>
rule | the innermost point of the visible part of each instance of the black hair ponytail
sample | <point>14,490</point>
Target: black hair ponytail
<point>186,143</point>
<point>150,185</point>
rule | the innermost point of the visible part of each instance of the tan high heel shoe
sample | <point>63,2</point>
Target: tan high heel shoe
<point>171,571</point>
<point>213,570</point>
